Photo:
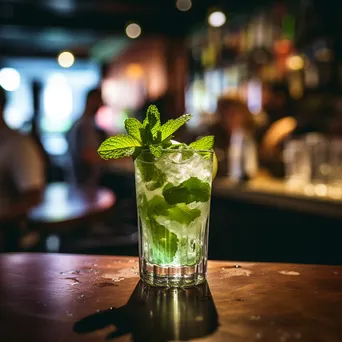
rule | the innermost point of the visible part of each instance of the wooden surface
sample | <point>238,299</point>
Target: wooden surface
<point>275,193</point>
<point>64,205</point>
<point>64,298</point>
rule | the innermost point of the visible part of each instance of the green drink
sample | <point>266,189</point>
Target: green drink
<point>173,196</point>
<point>173,186</point>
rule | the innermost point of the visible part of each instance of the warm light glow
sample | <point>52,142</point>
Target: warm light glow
<point>217,19</point>
<point>324,55</point>
<point>183,5</point>
<point>335,192</point>
<point>282,47</point>
<point>134,71</point>
<point>9,79</point>
<point>295,62</point>
<point>66,59</point>
<point>311,76</point>
<point>321,190</point>
<point>133,30</point>
<point>296,88</point>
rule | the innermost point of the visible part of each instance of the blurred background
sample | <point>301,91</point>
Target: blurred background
<point>269,72</point>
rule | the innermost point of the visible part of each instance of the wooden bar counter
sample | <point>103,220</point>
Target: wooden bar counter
<point>271,192</point>
<point>69,298</point>
<point>267,220</point>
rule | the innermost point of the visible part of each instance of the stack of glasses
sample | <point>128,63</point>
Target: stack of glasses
<point>313,164</point>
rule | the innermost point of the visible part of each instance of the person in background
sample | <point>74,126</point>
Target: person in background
<point>277,102</point>
<point>84,140</point>
<point>313,114</point>
<point>233,116</point>
<point>280,124</point>
<point>21,172</point>
<point>36,136</point>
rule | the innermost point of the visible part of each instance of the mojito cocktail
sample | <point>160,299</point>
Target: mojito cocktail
<point>173,197</point>
<point>173,185</point>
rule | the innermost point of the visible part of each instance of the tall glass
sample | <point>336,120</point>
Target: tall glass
<point>335,165</point>
<point>297,164</point>
<point>173,198</point>
<point>317,146</point>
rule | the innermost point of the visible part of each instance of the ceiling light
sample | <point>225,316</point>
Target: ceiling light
<point>217,19</point>
<point>133,30</point>
<point>9,79</point>
<point>66,59</point>
<point>183,5</point>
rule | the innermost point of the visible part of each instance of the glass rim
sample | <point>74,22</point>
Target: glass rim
<point>180,151</point>
<point>170,151</point>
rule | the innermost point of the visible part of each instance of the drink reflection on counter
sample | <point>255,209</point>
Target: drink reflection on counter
<point>158,314</point>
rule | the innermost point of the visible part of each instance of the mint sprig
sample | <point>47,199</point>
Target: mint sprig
<point>205,143</point>
<point>165,242</point>
<point>191,190</point>
<point>152,122</point>
<point>134,128</point>
<point>173,125</point>
<point>149,135</point>
<point>119,146</point>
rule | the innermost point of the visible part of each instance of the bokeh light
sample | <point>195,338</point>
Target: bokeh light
<point>133,30</point>
<point>134,71</point>
<point>9,79</point>
<point>295,62</point>
<point>183,5</point>
<point>66,59</point>
<point>217,19</point>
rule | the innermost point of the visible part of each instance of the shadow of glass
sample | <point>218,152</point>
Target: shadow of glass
<point>157,314</point>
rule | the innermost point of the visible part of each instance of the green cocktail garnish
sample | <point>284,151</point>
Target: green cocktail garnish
<point>150,135</point>
<point>163,200</point>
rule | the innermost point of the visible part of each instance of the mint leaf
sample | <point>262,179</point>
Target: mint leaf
<point>180,146</point>
<point>182,213</point>
<point>191,190</point>
<point>205,143</point>
<point>158,206</point>
<point>119,146</point>
<point>167,142</point>
<point>151,175</point>
<point>134,128</point>
<point>165,243</point>
<point>152,123</point>
<point>156,150</point>
<point>173,125</point>
<point>149,135</point>
<point>136,153</point>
